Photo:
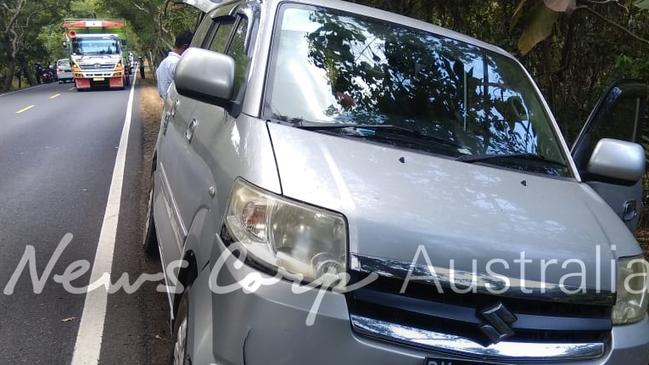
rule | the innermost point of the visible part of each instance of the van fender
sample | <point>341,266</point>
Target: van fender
<point>199,246</point>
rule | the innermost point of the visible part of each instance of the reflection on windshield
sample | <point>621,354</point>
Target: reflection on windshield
<point>335,67</point>
<point>95,46</point>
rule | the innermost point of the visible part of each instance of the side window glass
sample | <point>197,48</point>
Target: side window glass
<point>222,36</point>
<point>622,121</point>
<point>239,53</point>
<point>201,32</point>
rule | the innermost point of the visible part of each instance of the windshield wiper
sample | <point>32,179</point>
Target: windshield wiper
<point>511,156</point>
<point>390,128</point>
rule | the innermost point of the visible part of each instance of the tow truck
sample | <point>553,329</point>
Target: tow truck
<point>98,53</point>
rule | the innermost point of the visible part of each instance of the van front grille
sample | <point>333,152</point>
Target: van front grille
<point>422,306</point>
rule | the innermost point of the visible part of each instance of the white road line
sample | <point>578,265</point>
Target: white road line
<point>54,96</point>
<point>87,348</point>
<point>25,109</point>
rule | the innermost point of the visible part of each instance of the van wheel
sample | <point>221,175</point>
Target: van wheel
<point>150,242</point>
<point>180,331</point>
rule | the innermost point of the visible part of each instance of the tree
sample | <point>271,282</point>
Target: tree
<point>543,15</point>
<point>154,21</point>
<point>21,22</point>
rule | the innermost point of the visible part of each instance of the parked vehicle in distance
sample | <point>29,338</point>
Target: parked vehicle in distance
<point>332,144</point>
<point>64,71</point>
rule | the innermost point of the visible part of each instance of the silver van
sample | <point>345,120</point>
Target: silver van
<point>334,184</point>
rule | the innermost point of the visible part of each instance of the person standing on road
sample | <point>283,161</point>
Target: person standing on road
<point>167,69</point>
<point>142,74</point>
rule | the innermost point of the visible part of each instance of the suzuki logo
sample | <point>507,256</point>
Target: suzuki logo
<point>499,320</point>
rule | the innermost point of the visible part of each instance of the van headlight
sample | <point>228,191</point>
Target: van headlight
<point>632,286</point>
<point>299,241</point>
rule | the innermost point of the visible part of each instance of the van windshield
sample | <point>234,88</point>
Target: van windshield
<point>339,70</point>
<point>95,46</point>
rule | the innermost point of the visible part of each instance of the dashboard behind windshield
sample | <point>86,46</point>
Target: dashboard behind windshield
<point>330,66</point>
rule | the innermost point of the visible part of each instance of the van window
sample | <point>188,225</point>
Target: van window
<point>201,32</point>
<point>452,98</point>
<point>222,35</point>
<point>239,52</point>
<point>622,122</point>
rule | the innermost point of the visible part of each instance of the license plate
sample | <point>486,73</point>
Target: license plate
<point>98,79</point>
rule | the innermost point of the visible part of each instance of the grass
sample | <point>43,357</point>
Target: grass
<point>14,85</point>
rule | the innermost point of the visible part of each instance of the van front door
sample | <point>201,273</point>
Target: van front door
<point>619,114</point>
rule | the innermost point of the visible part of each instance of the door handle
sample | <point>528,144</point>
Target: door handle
<point>189,133</point>
<point>630,210</point>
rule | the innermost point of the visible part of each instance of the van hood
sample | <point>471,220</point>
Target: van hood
<point>403,205</point>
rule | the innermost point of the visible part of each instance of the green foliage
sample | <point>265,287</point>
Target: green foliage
<point>51,37</point>
<point>155,22</point>
<point>21,45</point>
<point>642,4</point>
<point>86,9</point>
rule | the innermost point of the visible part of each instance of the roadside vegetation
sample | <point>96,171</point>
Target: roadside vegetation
<point>31,31</point>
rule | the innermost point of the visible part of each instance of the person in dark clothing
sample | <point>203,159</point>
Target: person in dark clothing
<point>142,75</point>
<point>38,70</point>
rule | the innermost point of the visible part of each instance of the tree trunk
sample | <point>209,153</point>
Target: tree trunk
<point>9,75</point>
<point>152,65</point>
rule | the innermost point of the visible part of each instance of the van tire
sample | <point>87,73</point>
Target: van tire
<point>150,241</point>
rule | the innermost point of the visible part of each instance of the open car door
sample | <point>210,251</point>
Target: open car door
<point>620,115</point>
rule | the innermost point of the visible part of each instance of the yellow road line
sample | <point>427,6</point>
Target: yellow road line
<point>54,96</point>
<point>25,109</point>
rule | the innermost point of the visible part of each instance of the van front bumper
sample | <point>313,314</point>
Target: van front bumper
<point>271,325</point>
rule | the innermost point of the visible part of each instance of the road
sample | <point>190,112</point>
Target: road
<point>58,149</point>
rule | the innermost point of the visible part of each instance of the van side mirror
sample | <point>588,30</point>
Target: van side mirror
<point>206,76</point>
<point>618,160</point>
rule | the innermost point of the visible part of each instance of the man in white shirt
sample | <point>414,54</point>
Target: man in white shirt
<point>167,68</point>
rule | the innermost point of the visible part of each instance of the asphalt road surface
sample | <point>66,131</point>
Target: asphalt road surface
<point>58,149</point>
